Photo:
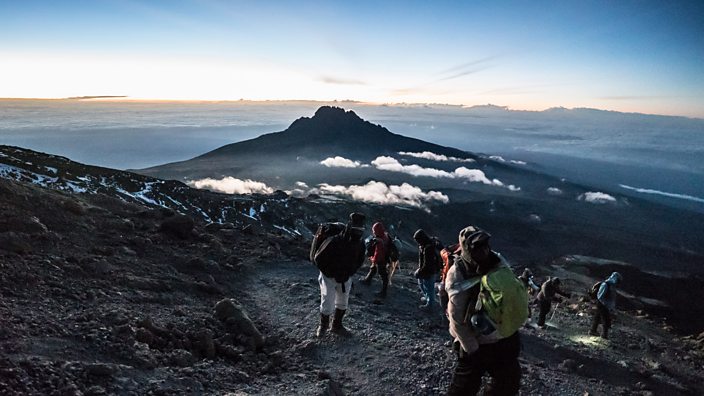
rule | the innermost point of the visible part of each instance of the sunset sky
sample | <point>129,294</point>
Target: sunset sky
<point>634,56</point>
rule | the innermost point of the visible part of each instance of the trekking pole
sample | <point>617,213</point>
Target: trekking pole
<point>554,310</point>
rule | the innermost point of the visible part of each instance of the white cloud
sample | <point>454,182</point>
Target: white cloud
<point>502,159</point>
<point>230,185</point>
<point>340,162</point>
<point>475,175</point>
<point>392,164</point>
<point>471,175</point>
<point>434,157</point>
<point>378,192</point>
<point>301,184</point>
<point>554,191</point>
<point>596,197</point>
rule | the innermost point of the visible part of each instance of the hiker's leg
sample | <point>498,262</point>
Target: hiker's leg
<point>327,294</point>
<point>504,369</point>
<point>430,288</point>
<point>596,320</point>
<point>342,297</point>
<point>384,280</point>
<point>467,378</point>
<point>544,309</point>
<point>421,286</point>
<point>368,279</point>
<point>607,323</point>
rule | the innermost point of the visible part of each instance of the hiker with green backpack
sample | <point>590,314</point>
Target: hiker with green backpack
<point>487,306</point>
<point>605,295</point>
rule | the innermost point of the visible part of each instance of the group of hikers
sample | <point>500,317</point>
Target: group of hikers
<point>485,303</point>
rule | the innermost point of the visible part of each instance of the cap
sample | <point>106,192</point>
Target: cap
<point>471,237</point>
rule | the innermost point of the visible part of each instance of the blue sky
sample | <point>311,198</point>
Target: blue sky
<point>638,56</point>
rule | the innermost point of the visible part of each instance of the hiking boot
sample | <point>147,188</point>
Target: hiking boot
<point>323,327</point>
<point>337,326</point>
<point>382,292</point>
<point>605,334</point>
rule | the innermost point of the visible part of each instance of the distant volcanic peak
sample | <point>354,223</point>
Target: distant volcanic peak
<point>329,119</point>
<point>335,113</point>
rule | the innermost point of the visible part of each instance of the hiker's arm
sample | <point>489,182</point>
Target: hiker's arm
<point>533,285</point>
<point>456,309</point>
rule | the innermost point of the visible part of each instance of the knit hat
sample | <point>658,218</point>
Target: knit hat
<point>471,237</point>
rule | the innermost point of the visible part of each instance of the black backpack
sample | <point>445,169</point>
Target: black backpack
<point>325,231</point>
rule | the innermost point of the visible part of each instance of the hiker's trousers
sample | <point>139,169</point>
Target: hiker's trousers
<point>499,360</point>
<point>332,295</point>
<point>427,287</point>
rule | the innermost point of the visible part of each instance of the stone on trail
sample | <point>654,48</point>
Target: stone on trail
<point>236,318</point>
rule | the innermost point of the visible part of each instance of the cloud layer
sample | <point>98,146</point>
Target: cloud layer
<point>471,175</point>
<point>434,157</point>
<point>230,185</point>
<point>378,192</point>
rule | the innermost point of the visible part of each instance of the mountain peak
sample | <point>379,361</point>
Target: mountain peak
<point>333,112</point>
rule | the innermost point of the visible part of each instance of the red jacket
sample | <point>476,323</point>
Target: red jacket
<point>380,256</point>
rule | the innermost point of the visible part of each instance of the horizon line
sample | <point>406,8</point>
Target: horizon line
<point>125,98</point>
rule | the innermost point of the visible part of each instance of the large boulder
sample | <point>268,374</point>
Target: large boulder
<point>236,318</point>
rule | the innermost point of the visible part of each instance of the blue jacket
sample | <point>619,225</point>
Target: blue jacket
<point>607,291</point>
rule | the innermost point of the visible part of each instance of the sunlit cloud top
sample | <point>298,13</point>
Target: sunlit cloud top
<point>627,56</point>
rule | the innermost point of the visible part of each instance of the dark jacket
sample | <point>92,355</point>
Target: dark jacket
<point>428,258</point>
<point>549,289</point>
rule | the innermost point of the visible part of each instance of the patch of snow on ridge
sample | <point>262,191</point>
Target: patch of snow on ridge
<point>434,157</point>
<point>231,185</point>
<point>554,191</point>
<point>596,197</point>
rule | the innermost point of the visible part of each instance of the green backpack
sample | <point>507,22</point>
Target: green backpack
<point>504,299</point>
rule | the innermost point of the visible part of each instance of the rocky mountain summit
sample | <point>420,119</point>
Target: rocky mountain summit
<point>110,287</point>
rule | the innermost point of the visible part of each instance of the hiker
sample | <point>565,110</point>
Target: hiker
<point>527,279</point>
<point>482,345</point>
<point>338,257</point>
<point>428,266</point>
<point>605,305</point>
<point>378,253</point>
<point>548,292</point>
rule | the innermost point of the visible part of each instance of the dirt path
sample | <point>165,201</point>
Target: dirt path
<point>395,348</point>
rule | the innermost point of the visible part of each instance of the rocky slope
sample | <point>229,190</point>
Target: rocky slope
<point>104,294</point>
